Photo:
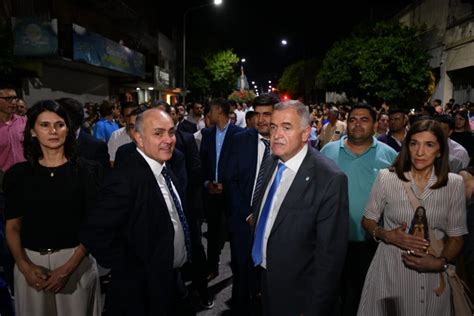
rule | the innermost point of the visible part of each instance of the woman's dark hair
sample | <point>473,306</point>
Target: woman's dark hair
<point>31,147</point>
<point>441,164</point>
<point>465,116</point>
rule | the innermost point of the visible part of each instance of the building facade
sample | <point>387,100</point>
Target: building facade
<point>90,50</point>
<point>449,35</point>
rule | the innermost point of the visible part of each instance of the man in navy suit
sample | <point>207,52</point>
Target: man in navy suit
<point>215,155</point>
<point>183,124</point>
<point>139,226</point>
<point>301,221</point>
<point>249,148</point>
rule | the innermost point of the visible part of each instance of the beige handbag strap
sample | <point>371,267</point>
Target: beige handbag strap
<point>415,203</point>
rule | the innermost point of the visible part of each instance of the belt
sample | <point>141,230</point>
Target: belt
<point>45,251</point>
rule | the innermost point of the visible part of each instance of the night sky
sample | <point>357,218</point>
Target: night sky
<point>255,28</point>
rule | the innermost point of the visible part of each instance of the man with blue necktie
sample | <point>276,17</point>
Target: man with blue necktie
<point>249,149</point>
<point>301,221</point>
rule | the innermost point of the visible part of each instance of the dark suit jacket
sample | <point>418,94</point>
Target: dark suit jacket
<point>93,149</point>
<point>387,139</point>
<point>187,145</point>
<point>187,126</point>
<point>242,167</point>
<point>130,231</point>
<point>208,153</point>
<point>308,241</point>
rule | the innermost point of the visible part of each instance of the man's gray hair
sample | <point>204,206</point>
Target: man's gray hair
<point>301,110</point>
<point>139,122</point>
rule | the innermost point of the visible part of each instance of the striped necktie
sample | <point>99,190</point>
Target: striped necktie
<point>179,209</point>
<point>263,167</point>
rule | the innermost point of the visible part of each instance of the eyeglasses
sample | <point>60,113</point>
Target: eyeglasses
<point>9,99</point>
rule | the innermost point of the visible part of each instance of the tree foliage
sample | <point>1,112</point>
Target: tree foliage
<point>217,75</point>
<point>198,81</point>
<point>298,79</point>
<point>384,62</point>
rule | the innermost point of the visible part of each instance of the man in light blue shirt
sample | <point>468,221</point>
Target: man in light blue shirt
<point>215,156</point>
<point>360,155</point>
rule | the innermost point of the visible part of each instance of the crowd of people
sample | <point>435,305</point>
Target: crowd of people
<point>328,209</point>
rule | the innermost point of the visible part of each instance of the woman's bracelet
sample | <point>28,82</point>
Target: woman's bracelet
<point>373,234</point>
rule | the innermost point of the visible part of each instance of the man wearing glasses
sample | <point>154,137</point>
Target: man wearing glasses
<point>12,127</point>
<point>196,116</point>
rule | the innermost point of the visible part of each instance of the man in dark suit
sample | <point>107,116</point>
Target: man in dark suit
<point>139,227</point>
<point>215,155</point>
<point>249,148</point>
<point>183,124</point>
<point>301,221</point>
<point>87,146</point>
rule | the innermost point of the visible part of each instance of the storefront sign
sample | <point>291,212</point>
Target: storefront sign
<point>35,37</point>
<point>96,50</point>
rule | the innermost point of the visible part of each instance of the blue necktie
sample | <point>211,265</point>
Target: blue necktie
<point>257,248</point>
<point>179,209</point>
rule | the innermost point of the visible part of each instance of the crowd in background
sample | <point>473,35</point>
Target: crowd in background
<point>56,155</point>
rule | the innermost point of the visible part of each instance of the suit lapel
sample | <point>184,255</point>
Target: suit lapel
<point>212,150</point>
<point>151,178</point>
<point>303,178</point>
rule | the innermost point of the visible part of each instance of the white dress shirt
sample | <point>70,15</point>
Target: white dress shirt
<point>458,151</point>
<point>118,138</point>
<point>292,166</point>
<point>240,121</point>
<point>180,255</point>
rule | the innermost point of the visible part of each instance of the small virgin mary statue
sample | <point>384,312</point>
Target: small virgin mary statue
<point>242,83</point>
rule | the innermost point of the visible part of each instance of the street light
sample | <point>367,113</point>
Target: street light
<point>243,60</point>
<point>284,42</point>
<point>216,3</point>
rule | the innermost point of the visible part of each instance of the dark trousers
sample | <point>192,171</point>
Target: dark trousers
<point>198,265</point>
<point>216,228</point>
<point>243,276</point>
<point>116,303</point>
<point>182,300</point>
<point>358,259</point>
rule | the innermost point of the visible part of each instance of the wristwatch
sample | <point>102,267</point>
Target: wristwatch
<point>445,265</point>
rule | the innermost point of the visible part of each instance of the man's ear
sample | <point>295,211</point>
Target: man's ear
<point>306,133</point>
<point>138,139</point>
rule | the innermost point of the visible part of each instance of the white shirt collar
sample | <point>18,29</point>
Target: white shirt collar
<point>295,162</point>
<point>155,166</point>
<point>260,136</point>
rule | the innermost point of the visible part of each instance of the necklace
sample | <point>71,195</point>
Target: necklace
<point>51,172</point>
